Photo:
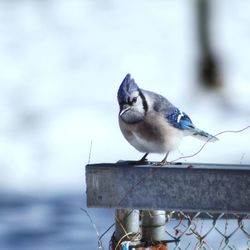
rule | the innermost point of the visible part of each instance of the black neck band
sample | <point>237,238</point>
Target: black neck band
<point>144,102</point>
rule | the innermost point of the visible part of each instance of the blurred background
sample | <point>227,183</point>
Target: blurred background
<point>61,63</point>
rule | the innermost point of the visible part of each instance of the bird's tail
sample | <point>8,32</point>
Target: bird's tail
<point>202,135</point>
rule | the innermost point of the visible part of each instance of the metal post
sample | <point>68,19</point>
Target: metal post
<point>153,228</point>
<point>126,226</point>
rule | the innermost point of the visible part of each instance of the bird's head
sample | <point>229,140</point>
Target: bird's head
<point>132,102</point>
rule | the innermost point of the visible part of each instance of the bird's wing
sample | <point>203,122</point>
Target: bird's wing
<point>179,119</point>
<point>173,115</point>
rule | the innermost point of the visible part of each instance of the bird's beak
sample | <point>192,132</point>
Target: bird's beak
<point>124,110</point>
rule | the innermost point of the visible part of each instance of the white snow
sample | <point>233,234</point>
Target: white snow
<point>62,62</point>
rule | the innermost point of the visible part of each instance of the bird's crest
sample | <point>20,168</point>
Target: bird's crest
<point>128,86</point>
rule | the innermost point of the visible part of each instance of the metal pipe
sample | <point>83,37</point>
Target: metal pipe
<point>126,224</point>
<point>153,225</point>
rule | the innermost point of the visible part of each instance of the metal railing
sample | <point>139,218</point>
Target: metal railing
<point>186,206</point>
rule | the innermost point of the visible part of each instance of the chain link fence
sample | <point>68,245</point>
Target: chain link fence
<point>184,231</point>
<point>208,231</point>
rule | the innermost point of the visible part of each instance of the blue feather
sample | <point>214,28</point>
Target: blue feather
<point>180,120</point>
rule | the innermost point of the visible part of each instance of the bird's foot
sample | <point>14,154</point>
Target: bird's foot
<point>143,160</point>
<point>166,163</point>
<point>162,163</point>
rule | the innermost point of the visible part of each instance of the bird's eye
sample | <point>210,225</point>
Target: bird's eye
<point>134,99</point>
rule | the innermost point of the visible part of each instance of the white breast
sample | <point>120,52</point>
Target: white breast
<point>154,136</point>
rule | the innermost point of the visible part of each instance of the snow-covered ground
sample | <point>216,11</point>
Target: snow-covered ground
<point>61,63</point>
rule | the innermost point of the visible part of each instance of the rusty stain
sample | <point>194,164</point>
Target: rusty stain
<point>160,246</point>
<point>147,246</point>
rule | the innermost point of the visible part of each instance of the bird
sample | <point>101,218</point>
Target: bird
<point>151,123</point>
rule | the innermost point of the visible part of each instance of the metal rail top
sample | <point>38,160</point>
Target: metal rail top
<point>178,165</point>
<point>196,187</point>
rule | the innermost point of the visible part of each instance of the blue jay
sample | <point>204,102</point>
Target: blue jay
<point>152,124</point>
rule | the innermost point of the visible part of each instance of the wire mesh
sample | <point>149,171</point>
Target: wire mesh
<point>206,231</point>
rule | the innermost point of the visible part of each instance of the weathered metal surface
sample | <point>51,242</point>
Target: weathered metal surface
<point>187,187</point>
